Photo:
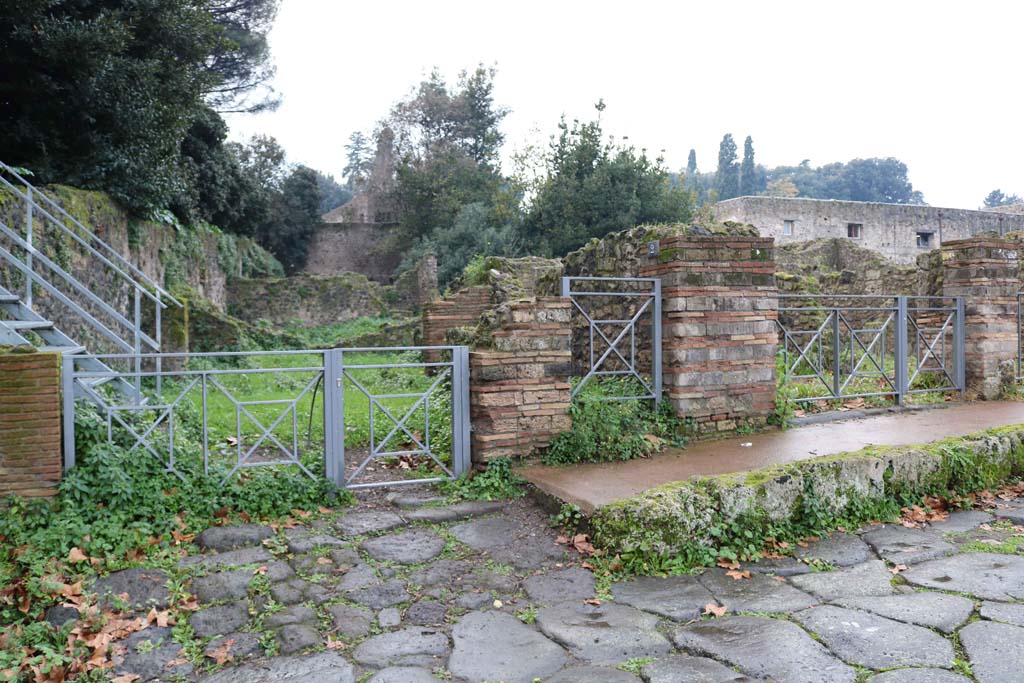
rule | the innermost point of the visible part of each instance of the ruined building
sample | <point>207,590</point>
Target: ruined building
<point>897,231</point>
<point>360,236</point>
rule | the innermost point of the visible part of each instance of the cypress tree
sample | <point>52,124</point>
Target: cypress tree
<point>727,178</point>
<point>748,172</point>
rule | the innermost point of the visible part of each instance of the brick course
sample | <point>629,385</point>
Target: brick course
<point>30,424</point>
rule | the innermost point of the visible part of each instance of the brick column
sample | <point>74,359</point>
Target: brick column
<point>462,310</point>
<point>719,338</point>
<point>519,388</point>
<point>30,427</point>
<point>984,270</point>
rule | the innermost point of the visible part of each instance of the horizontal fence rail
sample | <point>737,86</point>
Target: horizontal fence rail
<point>613,309</point>
<point>836,347</point>
<point>217,414</point>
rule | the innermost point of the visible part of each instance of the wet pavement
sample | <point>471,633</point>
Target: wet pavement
<point>388,595</point>
<point>593,485</point>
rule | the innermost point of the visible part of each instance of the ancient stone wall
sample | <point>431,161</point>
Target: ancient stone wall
<point>30,423</point>
<point>986,272</point>
<point>719,332</point>
<point>897,231</point>
<point>462,309</point>
<point>519,384</point>
<point>371,249</point>
<point>307,299</point>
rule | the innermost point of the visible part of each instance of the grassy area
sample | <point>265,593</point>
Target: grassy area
<point>337,333</point>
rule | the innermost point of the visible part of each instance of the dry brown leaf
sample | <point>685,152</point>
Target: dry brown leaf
<point>125,678</point>
<point>592,601</point>
<point>712,609</point>
<point>898,568</point>
<point>728,564</point>
<point>222,654</point>
<point>335,644</point>
<point>302,513</point>
<point>738,575</point>
<point>76,555</point>
<point>323,560</point>
<point>261,570</point>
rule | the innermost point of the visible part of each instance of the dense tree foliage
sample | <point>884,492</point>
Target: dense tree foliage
<point>752,178</point>
<point>358,161</point>
<point>860,180</point>
<point>727,178</point>
<point>294,215</point>
<point>996,198</point>
<point>332,194</point>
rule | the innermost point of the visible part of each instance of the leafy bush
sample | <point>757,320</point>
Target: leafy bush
<point>606,430</point>
<point>497,482</point>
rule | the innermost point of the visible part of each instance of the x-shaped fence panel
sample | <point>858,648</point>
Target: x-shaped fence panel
<point>612,339</point>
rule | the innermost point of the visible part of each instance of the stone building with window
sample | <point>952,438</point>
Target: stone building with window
<point>898,231</point>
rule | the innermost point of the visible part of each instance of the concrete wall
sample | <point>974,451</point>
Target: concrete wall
<point>30,429</point>
<point>889,229</point>
<point>371,249</point>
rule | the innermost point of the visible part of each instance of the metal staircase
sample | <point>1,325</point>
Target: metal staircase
<point>40,244</point>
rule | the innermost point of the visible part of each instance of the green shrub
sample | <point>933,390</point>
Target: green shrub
<point>606,430</point>
<point>497,482</point>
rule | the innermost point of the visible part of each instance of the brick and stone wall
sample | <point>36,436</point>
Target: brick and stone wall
<point>30,423</point>
<point>519,386</point>
<point>462,309</point>
<point>985,271</point>
<point>372,249</point>
<point>719,336</point>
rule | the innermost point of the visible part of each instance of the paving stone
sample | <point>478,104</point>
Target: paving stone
<point>490,533</point>
<point>1012,511</point>
<point>232,558</point>
<point>296,614</point>
<point>934,610</point>
<point>493,646</point>
<point>360,576</point>
<point>779,566</point>
<point>426,613</point>
<point>58,615</point>
<point>984,575</point>
<point>961,521</point>
<point>411,501</point>
<point>382,595</point>
<point>411,546</point>
<point>491,580</point>
<point>222,538</point>
<point>239,646</point>
<point>389,618</point>
<point>919,676</point>
<point>521,554</point>
<point>442,572</point>
<point>759,593</point>
<point>761,647</point>
<point>219,620</point>
<point>603,634</point>
<point>295,637</point>
<point>869,578</point>
<point>687,669</point>
<point>409,647</point>
<point>153,664</point>
<point>146,639</point>
<point>571,583</point>
<point>278,570</point>
<point>997,611</point>
<point>299,590</point>
<point>344,559</point>
<point>474,599</point>
<point>901,545</point>
<point>839,549</point>
<point>304,541</point>
<point>358,523</point>
<point>994,650</point>
<point>876,642</point>
<point>453,513</point>
<point>313,565</point>
<point>592,674</point>
<point>327,667</point>
<point>403,674</point>
<point>680,598</point>
<point>229,585</point>
<point>144,588</point>
<point>350,621</point>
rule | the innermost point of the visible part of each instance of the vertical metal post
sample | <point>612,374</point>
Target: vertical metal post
<point>901,349</point>
<point>159,348</point>
<point>656,342</point>
<point>960,342</point>
<point>565,286</point>
<point>836,360</point>
<point>67,381</point>
<point>334,417</point>
<point>138,346</point>
<point>29,239</point>
<point>461,455</point>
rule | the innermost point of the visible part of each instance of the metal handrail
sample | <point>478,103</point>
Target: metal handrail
<point>111,252</point>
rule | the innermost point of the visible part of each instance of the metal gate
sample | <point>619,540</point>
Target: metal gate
<point>610,327</point>
<point>217,414</point>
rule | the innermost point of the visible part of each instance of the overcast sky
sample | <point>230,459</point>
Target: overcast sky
<point>935,84</point>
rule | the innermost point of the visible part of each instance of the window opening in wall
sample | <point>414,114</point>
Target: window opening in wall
<point>853,230</point>
<point>787,228</point>
<point>924,240</point>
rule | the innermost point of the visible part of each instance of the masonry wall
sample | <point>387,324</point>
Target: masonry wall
<point>889,229</point>
<point>30,424</point>
<point>463,309</point>
<point>371,249</point>
<point>519,387</point>
<point>985,271</point>
<point>719,335</point>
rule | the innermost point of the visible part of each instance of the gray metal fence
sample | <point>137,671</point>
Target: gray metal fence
<point>611,326</point>
<point>860,346</point>
<point>216,414</point>
<point>1020,337</point>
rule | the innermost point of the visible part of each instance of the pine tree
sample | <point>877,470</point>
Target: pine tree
<point>727,178</point>
<point>691,164</point>
<point>748,172</point>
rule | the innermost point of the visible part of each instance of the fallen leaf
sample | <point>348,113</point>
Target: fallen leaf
<point>728,564</point>
<point>335,644</point>
<point>324,511</point>
<point>76,555</point>
<point>222,654</point>
<point>498,604</point>
<point>261,570</point>
<point>592,601</point>
<point>302,513</point>
<point>323,560</point>
<point>738,575</point>
<point>899,568</point>
<point>712,609</point>
<point>125,678</point>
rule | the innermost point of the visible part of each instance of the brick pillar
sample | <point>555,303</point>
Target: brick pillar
<point>30,426</point>
<point>719,338</point>
<point>461,310</point>
<point>519,388</point>
<point>984,270</point>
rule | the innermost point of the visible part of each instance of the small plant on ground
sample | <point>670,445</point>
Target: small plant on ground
<point>497,482</point>
<point>635,664</point>
<point>569,518</point>
<point>785,394</point>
